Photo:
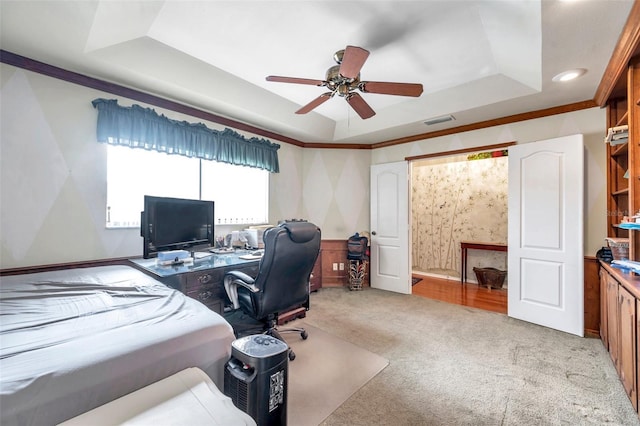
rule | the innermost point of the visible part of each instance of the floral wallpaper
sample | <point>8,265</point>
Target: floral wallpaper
<point>458,199</point>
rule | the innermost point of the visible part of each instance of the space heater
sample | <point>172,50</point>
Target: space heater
<point>255,378</point>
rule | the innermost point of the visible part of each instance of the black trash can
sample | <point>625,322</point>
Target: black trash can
<point>255,378</point>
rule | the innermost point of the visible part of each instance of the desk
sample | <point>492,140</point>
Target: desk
<point>476,245</point>
<point>202,279</point>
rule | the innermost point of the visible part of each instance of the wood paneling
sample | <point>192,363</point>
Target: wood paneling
<point>591,297</point>
<point>335,251</point>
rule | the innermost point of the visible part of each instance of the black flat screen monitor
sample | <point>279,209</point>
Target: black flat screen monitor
<point>175,224</point>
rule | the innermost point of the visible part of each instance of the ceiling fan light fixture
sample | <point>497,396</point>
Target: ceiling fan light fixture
<point>569,75</point>
<point>438,120</point>
<point>344,79</point>
<point>344,89</point>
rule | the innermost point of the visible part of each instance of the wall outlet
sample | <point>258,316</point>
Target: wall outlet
<point>342,266</point>
<point>335,266</point>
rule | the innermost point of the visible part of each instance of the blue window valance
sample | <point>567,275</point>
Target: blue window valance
<point>139,127</point>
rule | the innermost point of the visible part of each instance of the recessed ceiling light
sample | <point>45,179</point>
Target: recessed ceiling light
<point>569,75</point>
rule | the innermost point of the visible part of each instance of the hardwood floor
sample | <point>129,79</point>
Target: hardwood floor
<point>462,294</point>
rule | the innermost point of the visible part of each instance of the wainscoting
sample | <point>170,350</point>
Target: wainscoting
<point>335,252</point>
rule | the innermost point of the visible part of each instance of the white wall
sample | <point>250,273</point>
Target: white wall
<point>53,174</point>
<point>590,122</point>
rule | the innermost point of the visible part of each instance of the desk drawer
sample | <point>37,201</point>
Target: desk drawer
<point>216,305</point>
<point>195,280</point>
<point>212,295</point>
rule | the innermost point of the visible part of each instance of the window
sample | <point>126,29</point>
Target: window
<point>241,194</point>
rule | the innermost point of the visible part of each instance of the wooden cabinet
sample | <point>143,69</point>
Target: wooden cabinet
<point>637,327</point>
<point>612,318</point>
<point>617,171</point>
<point>604,320</point>
<point>621,332</point>
<point>623,161</point>
<point>627,343</point>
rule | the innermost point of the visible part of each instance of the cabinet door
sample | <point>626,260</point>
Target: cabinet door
<point>612,319</point>
<point>627,343</point>
<point>637,347</point>
<point>603,307</point>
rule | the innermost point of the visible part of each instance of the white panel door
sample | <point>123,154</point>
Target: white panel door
<point>389,267</point>
<point>546,286</point>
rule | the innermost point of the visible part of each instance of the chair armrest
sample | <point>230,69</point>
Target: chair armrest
<point>240,276</point>
<point>232,280</point>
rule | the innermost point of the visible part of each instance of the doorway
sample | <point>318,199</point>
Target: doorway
<point>458,198</point>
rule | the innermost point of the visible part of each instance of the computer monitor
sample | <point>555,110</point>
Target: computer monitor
<point>175,224</point>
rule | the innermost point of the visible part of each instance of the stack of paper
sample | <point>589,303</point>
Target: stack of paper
<point>627,264</point>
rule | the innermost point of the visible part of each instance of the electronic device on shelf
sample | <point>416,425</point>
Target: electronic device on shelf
<point>175,224</point>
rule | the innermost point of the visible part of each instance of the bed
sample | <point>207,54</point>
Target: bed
<point>72,340</point>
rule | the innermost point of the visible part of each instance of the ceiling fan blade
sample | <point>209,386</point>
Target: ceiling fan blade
<point>309,81</point>
<point>386,88</point>
<point>352,61</point>
<point>315,103</point>
<point>360,106</point>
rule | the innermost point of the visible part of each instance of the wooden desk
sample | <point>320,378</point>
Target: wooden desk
<point>476,245</point>
<point>202,279</point>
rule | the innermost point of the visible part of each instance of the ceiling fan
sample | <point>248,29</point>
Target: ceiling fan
<point>343,79</point>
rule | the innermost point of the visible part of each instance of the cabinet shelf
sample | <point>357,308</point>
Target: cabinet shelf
<point>620,150</point>
<point>623,191</point>
<point>623,120</point>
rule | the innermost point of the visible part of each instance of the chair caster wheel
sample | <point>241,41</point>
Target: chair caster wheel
<point>304,335</point>
<point>292,356</point>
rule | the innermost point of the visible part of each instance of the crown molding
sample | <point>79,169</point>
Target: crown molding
<point>614,82</point>
<point>134,94</point>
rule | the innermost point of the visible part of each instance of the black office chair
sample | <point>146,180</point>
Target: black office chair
<point>282,283</point>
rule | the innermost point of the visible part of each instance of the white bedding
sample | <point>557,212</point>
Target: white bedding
<point>75,339</point>
<point>189,397</point>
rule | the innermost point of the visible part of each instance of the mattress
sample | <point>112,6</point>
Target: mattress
<point>186,398</point>
<point>75,339</point>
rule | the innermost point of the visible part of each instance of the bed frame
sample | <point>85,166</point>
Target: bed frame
<point>76,336</point>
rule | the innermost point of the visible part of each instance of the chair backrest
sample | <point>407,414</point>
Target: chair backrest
<point>290,251</point>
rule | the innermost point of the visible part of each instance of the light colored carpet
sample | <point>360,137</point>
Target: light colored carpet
<point>455,365</point>
<point>326,372</point>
